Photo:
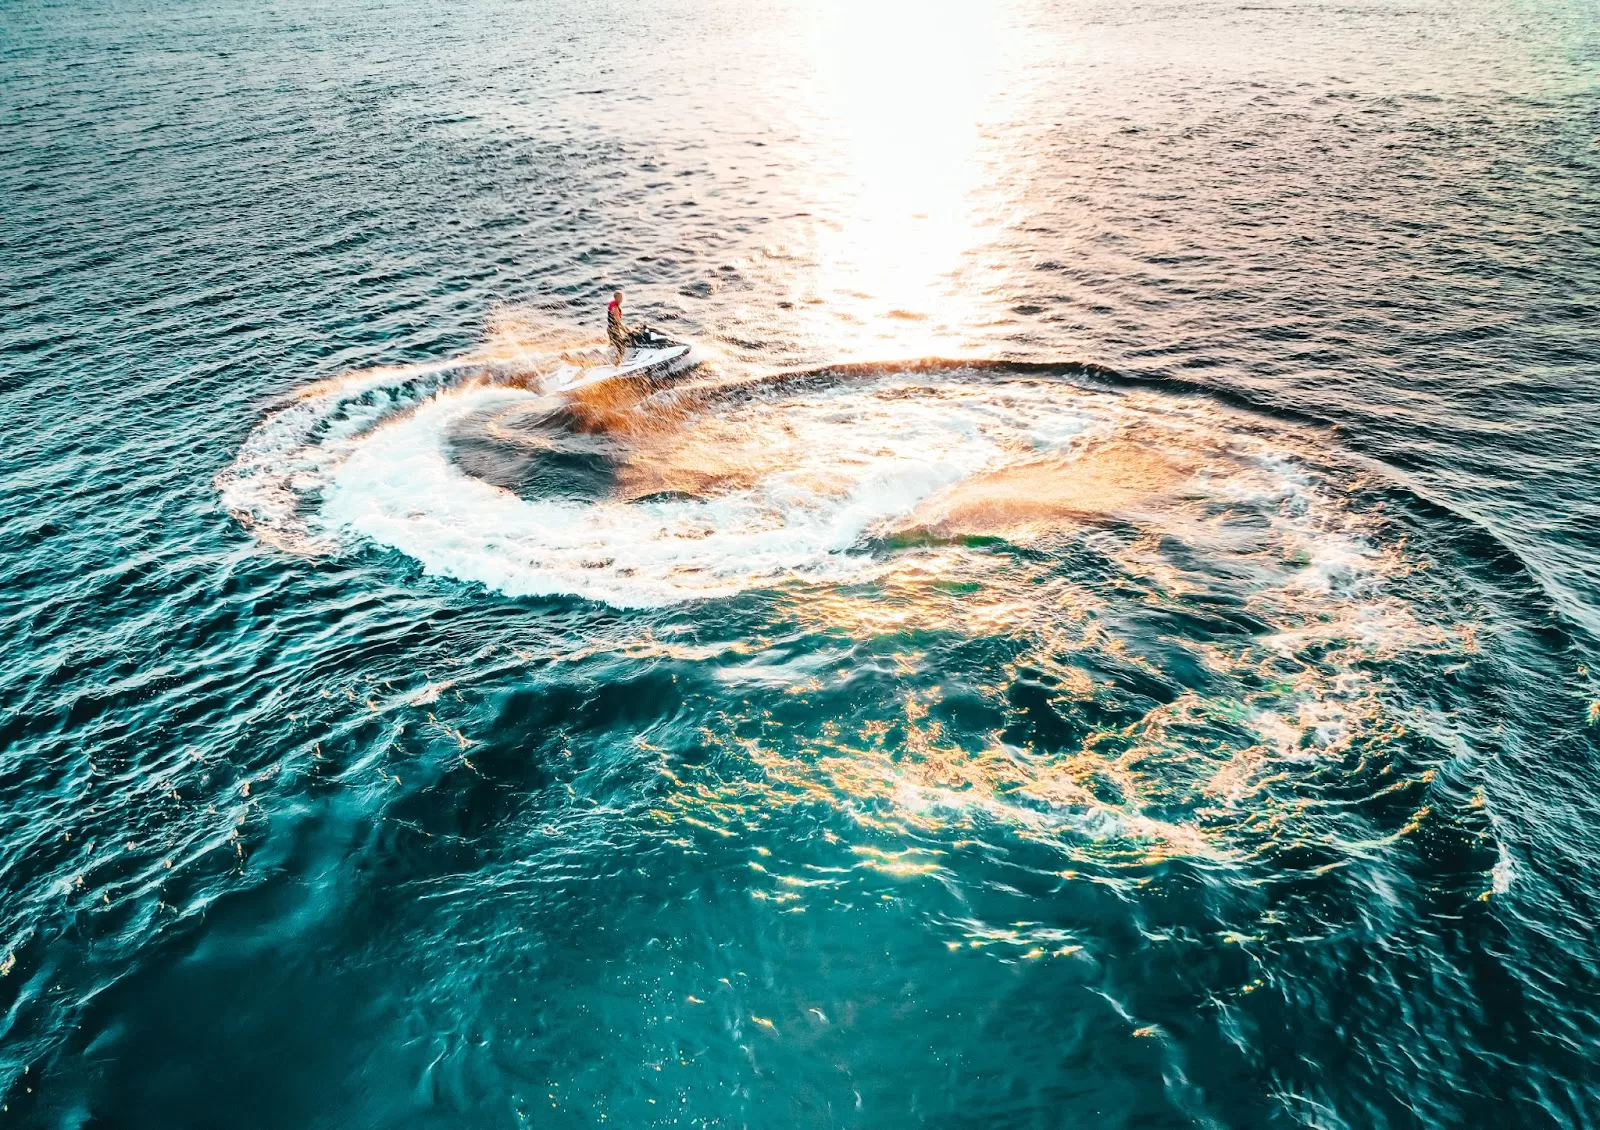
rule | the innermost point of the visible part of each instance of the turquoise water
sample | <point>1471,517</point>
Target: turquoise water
<point>1105,639</point>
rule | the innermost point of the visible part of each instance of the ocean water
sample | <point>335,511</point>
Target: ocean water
<point>1106,637</point>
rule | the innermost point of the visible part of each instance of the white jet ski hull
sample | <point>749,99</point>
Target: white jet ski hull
<point>647,361</point>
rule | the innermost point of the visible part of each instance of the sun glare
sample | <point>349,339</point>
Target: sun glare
<point>907,87</point>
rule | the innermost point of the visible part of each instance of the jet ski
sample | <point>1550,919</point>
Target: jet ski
<point>650,353</point>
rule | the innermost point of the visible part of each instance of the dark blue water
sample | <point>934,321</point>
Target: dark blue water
<point>1175,708</point>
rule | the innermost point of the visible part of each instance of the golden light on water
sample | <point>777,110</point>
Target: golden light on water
<point>905,90</point>
<point>1094,761</point>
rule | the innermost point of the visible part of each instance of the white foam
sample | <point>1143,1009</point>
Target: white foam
<point>288,458</point>
<point>289,455</point>
<point>367,459</point>
<point>398,487</point>
<point>1504,871</point>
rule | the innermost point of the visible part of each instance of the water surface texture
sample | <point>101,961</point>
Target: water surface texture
<point>1105,639</point>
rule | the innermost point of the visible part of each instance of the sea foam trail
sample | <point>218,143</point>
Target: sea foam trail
<point>764,485</point>
<point>286,459</point>
<point>845,470</point>
<point>289,457</point>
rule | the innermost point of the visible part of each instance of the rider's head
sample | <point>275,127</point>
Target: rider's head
<point>617,296</point>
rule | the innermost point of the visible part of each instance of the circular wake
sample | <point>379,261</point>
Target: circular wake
<point>1124,623</point>
<point>641,496</point>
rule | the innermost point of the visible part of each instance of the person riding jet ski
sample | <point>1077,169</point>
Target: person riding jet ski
<point>622,338</point>
<point>616,330</point>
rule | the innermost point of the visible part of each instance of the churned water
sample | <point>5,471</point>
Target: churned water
<point>1106,638</point>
